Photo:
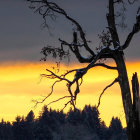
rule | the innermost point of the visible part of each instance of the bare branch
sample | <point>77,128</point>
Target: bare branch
<point>69,84</point>
<point>61,78</point>
<point>78,75</point>
<point>136,29</point>
<point>66,105</point>
<point>55,8</point>
<point>131,1</point>
<point>52,88</point>
<point>68,72</point>
<point>58,100</point>
<point>104,50</point>
<point>72,96</point>
<point>116,80</point>
<point>74,48</point>
<point>64,97</point>
<point>81,72</point>
<point>53,76</point>
<point>104,65</point>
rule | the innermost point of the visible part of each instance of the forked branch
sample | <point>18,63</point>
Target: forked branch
<point>79,73</point>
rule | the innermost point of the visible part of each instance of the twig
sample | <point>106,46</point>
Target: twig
<point>37,102</point>
<point>58,100</point>
<point>116,80</point>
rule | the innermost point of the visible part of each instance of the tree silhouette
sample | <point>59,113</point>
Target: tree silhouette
<point>111,48</point>
<point>116,131</point>
<point>91,118</point>
<point>5,128</point>
<point>30,117</point>
<point>19,129</point>
<point>89,126</point>
<point>115,125</point>
<point>43,125</point>
<point>75,117</point>
<point>28,125</point>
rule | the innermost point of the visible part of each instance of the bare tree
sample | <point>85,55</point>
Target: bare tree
<point>110,48</point>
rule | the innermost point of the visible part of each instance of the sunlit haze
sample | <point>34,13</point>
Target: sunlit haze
<point>21,83</point>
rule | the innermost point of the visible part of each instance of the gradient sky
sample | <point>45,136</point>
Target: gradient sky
<point>22,38</point>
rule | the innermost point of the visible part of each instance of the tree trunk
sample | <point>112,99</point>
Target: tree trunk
<point>125,91</point>
<point>130,109</point>
<point>136,113</point>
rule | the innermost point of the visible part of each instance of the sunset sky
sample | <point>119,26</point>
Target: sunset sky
<point>21,40</point>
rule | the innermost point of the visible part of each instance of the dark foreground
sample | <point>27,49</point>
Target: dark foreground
<point>55,125</point>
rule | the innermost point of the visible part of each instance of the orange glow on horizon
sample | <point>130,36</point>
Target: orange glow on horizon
<point>21,82</point>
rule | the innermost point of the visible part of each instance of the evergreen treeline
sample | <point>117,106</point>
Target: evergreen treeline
<point>56,125</point>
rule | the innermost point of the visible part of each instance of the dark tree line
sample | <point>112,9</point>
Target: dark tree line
<point>56,125</point>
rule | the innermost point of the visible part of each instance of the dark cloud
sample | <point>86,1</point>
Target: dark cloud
<point>21,37</point>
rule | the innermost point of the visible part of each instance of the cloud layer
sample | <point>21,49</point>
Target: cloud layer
<point>21,37</point>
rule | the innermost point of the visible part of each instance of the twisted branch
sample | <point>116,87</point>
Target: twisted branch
<point>79,73</point>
